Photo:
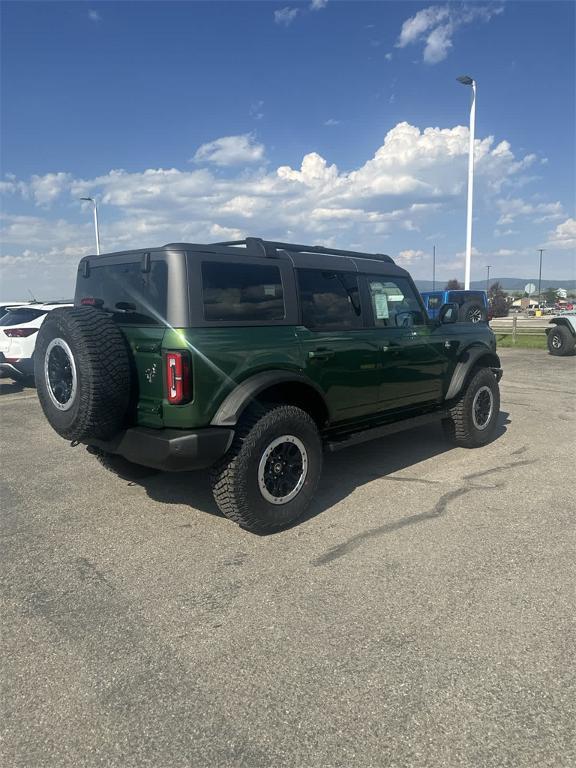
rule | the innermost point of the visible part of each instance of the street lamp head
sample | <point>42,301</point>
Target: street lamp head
<point>90,199</point>
<point>465,80</point>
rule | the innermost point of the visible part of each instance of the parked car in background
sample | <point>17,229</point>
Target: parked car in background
<point>5,306</point>
<point>472,305</point>
<point>18,331</point>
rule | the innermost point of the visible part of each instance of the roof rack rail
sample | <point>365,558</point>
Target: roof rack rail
<point>269,248</point>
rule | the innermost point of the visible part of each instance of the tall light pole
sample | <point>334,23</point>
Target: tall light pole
<point>540,275</point>
<point>91,200</point>
<point>466,80</point>
<point>488,266</point>
<point>434,268</point>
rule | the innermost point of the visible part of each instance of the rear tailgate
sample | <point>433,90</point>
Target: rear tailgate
<point>146,346</point>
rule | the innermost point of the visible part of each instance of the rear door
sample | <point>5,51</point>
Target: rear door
<point>339,352</point>
<point>415,351</point>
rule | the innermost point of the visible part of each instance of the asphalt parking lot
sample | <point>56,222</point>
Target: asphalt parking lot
<point>423,614</point>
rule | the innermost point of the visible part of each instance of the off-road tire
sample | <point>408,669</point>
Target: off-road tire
<point>562,335</point>
<point>459,428</point>
<point>235,478</point>
<point>472,312</point>
<point>100,403</point>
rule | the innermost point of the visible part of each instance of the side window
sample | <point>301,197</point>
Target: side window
<point>242,292</point>
<point>394,303</point>
<point>329,300</point>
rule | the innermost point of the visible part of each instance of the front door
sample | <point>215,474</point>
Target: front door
<point>415,352</point>
<point>340,354</point>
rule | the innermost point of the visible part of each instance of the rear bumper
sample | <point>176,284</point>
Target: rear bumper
<point>172,450</point>
<point>16,367</point>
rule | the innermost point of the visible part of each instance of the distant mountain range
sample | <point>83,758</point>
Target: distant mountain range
<point>507,283</point>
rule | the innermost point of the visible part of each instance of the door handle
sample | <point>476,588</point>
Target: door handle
<point>320,354</point>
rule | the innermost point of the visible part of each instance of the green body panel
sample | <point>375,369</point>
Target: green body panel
<point>146,346</point>
<point>362,373</point>
<point>221,359</point>
<point>346,366</point>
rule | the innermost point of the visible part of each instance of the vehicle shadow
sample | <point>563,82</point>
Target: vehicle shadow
<point>343,471</point>
<point>13,386</point>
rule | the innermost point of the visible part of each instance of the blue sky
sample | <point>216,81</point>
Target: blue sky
<point>328,122</point>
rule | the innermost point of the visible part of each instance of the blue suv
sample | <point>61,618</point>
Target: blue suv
<point>473,305</point>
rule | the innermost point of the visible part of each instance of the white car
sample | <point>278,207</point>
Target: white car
<point>18,330</point>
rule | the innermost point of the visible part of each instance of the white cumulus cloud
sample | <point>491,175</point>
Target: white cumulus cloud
<point>564,236</point>
<point>411,185</point>
<point>285,16</point>
<point>435,27</point>
<point>230,150</point>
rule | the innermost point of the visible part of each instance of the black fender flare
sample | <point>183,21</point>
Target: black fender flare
<point>236,401</point>
<point>465,364</point>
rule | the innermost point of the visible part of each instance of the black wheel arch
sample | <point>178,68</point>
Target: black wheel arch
<point>473,357</point>
<point>286,387</point>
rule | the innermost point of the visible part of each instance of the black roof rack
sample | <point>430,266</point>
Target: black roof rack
<point>269,247</point>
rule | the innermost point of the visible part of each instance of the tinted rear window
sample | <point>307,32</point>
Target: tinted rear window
<point>242,292</point>
<point>17,316</point>
<point>459,297</point>
<point>136,296</point>
<point>330,300</point>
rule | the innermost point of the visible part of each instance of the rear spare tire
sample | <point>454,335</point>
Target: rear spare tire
<point>472,312</point>
<point>82,372</point>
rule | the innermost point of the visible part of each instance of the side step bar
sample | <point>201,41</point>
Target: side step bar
<point>355,438</point>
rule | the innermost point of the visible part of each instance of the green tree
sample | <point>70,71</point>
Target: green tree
<point>550,295</point>
<point>498,300</point>
<point>454,285</point>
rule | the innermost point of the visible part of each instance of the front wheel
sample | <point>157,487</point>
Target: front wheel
<point>474,416</point>
<point>560,341</point>
<point>271,472</point>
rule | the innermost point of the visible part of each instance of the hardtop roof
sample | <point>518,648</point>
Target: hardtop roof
<point>308,256</point>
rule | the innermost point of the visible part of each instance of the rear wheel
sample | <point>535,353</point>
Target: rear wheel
<point>271,472</point>
<point>561,341</point>
<point>474,415</point>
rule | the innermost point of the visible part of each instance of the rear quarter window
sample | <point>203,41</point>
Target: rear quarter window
<point>242,292</point>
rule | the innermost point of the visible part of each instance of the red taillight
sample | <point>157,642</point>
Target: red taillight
<point>178,381</point>
<point>90,301</point>
<point>19,333</point>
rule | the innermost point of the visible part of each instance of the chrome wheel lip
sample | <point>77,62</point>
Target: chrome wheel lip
<point>67,404</point>
<point>266,493</point>
<point>482,424</point>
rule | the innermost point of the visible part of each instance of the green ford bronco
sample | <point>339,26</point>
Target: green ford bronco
<point>253,357</point>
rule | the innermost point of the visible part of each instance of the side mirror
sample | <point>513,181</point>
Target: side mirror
<point>448,313</point>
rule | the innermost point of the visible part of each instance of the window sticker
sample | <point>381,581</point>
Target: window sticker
<point>269,290</point>
<point>381,306</point>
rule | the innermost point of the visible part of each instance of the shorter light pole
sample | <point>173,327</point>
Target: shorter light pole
<point>434,268</point>
<point>488,266</point>
<point>540,275</point>
<point>91,200</point>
